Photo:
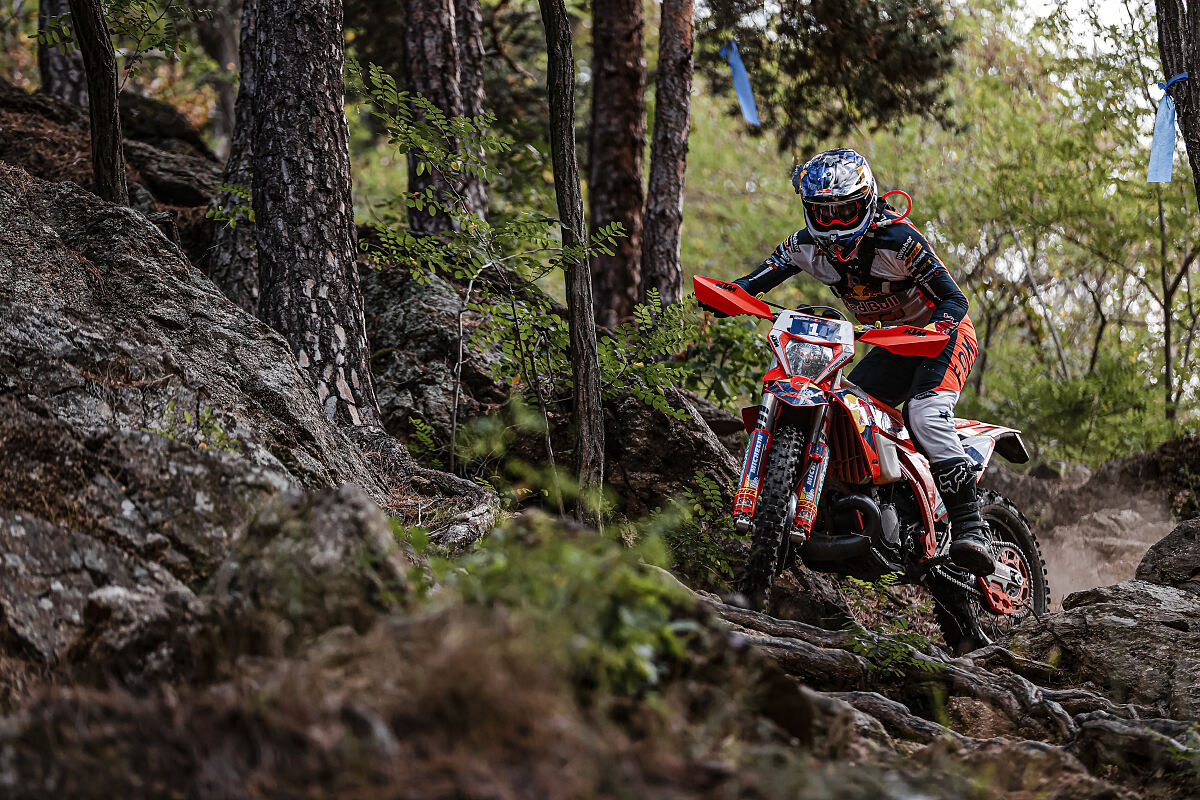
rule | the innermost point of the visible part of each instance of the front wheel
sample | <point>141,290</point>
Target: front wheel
<point>963,614</point>
<point>770,527</point>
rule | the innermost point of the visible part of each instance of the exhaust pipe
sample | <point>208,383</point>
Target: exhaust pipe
<point>847,545</point>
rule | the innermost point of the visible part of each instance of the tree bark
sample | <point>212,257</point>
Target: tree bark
<point>431,47</point>
<point>100,64</point>
<point>668,153</point>
<point>62,72</point>
<point>589,415</point>
<point>304,225</point>
<point>617,141</point>
<point>1179,47</point>
<point>468,25</point>
<point>231,262</point>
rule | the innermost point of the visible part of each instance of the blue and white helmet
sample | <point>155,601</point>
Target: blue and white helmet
<point>840,196</point>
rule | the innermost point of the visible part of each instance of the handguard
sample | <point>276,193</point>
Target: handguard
<point>905,340</point>
<point>729,298</point>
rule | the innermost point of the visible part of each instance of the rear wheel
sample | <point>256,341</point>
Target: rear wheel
<point>770,527</point>
<point>964,615</point>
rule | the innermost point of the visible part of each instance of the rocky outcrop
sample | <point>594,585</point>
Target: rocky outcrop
<point>145,422</point>
<point>1175,560</point>
<point>170,168</point>
<point>1137,642</point>
<point>414,326</point>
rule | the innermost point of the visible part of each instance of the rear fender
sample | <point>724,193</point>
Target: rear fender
<point>1007,441</point>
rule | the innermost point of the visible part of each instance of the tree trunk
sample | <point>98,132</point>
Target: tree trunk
<point>589,415</point>
<point>468,25</point>
<point>62,72</point>
<point>304,225</point>
<point>100,64</point>
<point>434,71</point>
<point>618,139</point>
<point>230,261</point>
<point>1179,47</point>
<point>668,154</point>
<point>218,35</point>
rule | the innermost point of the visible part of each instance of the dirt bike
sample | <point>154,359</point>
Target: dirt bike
<point>832,477</point>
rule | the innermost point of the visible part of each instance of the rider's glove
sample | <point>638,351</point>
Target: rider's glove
<point>945,326</point>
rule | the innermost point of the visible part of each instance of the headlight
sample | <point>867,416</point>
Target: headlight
<point>806,359</point>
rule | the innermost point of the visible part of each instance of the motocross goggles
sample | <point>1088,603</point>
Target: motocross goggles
<point>838,214</point>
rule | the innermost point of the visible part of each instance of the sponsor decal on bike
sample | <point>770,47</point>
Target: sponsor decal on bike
<point>810,488</point>
<point>746,496</point>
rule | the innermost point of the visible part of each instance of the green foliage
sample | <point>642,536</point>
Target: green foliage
<point>150,26</point>
<point>202,430</point>
<point>422,445</point>
<point>892,646</point>
<point>698,532</point>
<point>232,206</point>
<point>622,626</point>
<point>145,28</point>
<point>57,33</point>
<point>826,68</point>
<point>1103,415</point>
<point>728,360</point>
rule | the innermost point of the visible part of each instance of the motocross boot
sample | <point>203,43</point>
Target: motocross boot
<point>970,542</point>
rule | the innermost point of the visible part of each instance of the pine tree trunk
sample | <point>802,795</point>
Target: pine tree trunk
<point>304,216</point>
<point>434,72</point>
<point>100,64</point>
<point>230,261</point>
<point>469,33</point>
<point>1179,47</point>
<point>589,415</point>
<point>668,153</point>
<point>617,140</point>
<point>62,72</point>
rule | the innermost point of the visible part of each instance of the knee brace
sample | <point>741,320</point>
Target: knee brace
<point>930,418</point>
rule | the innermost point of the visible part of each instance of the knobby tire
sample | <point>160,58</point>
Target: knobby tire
<point>770,528</point>
<point>953,610</point>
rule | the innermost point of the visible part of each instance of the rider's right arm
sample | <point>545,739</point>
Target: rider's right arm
<point>778,267</point>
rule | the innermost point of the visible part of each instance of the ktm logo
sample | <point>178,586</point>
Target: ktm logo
<point>729,287</point>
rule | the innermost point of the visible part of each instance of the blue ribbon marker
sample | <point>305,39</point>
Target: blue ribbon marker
<point>1162,148</point>
<point>741,82</point>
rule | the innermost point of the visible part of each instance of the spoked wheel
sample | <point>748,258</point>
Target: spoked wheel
<point>770,527</point>
<point>1019,585</point>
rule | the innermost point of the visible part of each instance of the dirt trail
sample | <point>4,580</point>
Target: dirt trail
<point>1093,529</point>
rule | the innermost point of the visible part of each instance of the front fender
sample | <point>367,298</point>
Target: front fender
<point>807,396</point>
<point>800,396</point>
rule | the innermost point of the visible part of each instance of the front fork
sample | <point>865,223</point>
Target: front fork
<point>746,497</point>
<point>809,491</point>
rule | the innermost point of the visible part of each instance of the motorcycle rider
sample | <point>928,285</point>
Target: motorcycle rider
<point>884,271</point>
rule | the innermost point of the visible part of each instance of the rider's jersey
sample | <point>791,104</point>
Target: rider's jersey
<point>894,278</point>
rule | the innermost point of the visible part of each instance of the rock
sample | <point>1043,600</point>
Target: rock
<point>812,597</point>
<point>413,328</point>
<point>164,154</point>
<point>1138,642</point>
<point>310,562</point>
<point>107,326</point>
<point>49,573</point>
<point>1175,560</point>
<point>144,421</point>
<point>650,456</point>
